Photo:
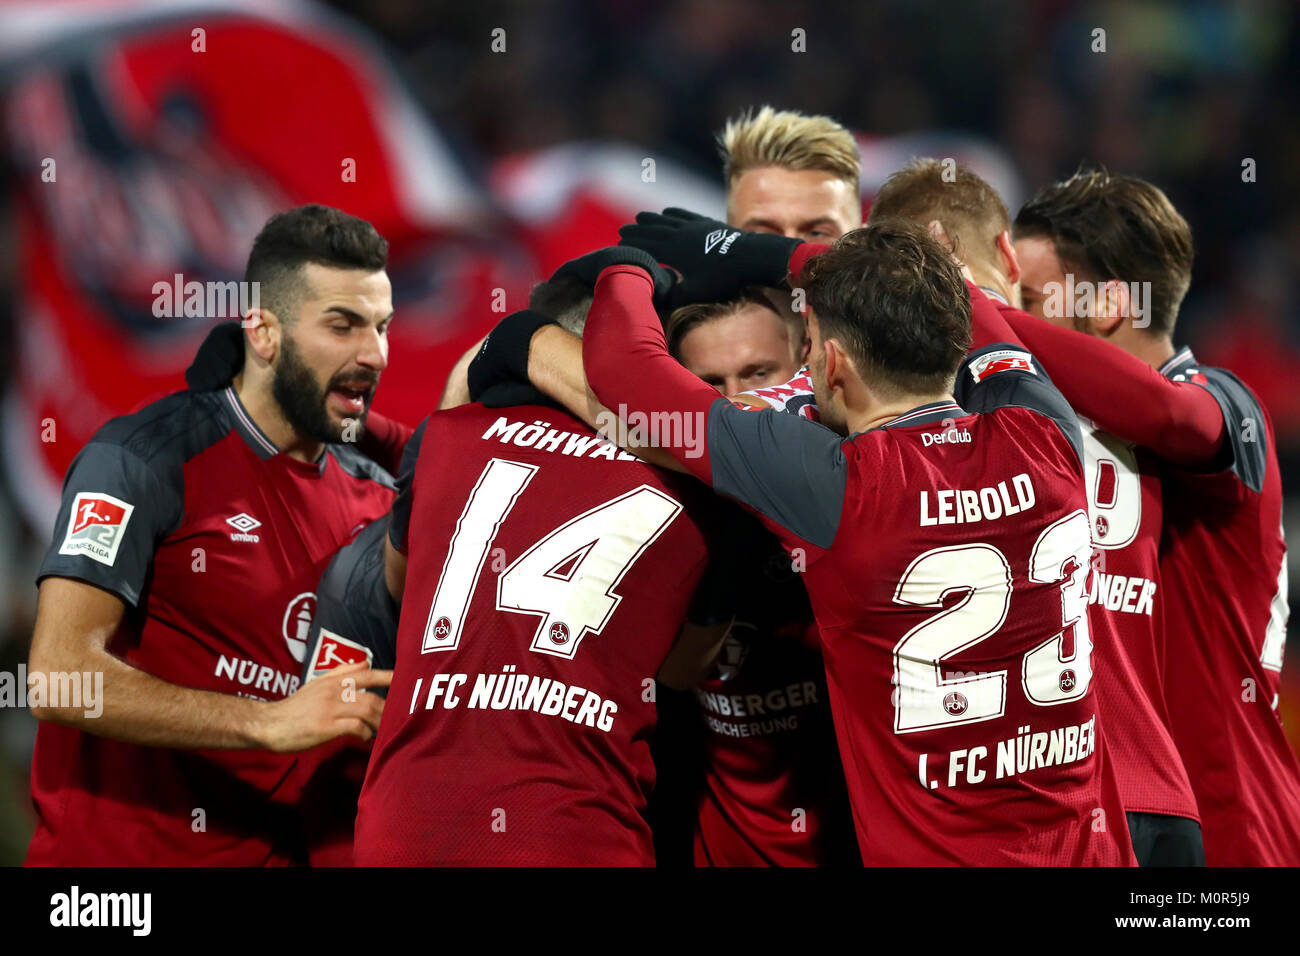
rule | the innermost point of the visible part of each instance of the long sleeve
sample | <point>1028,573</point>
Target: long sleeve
<point>383,440</point>
<point>987,324</point>
<point>628,366</point>
<point>1179,421</point>
<point>791,471</point>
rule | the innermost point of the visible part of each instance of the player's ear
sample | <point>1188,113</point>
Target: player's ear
<point>262,333</point>
<point>1111,308</point>
<point>1007,252</point>
<point>836,364</point>
<point>936,229</point>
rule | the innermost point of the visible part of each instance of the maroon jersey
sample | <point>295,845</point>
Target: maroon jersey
<point>548,576</point>
<point>1125,513</point>
<point>947,558</point>
<point>1223,560</point>
<point>214,541</point>
<point>774,792</point>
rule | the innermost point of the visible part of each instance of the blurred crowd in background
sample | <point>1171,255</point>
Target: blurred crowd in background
<point>496,146</point>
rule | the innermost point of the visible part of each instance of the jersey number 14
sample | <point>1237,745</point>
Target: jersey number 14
<point>566,579</point>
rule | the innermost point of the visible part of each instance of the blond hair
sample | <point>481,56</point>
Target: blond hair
<point>788,139</point>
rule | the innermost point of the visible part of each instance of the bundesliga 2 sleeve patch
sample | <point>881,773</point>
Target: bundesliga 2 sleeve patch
<point>96,527</point>
<point>1002,360</point>
<point>335,650</point>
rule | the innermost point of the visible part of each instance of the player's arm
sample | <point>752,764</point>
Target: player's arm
<point>1181,422</point>
<point>74,622</point>
<point>399,517</point>
<point>791,471</point>
<point>716,261</point>
<point>115,511</point>
<point>383,440</point>
<point>456,390</point>
<point>355,612</point>
<point>527,351</point>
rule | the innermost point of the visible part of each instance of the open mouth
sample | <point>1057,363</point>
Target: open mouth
<point>352,396</point>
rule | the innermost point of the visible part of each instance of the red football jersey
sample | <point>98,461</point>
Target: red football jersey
<point>1125,511</point>
<point>953,613</point>
<point>215,542</point>
<point>1223,564</point>
<point>548,576</point>
<point>947,557</point>
<point>774,792</point>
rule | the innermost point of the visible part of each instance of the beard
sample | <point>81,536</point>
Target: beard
<point>302,400</point>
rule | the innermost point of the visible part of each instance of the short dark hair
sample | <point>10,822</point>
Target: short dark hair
<point>1116,227</point>
<point>972,212</point>
<point>311,233</point>
<point>896,301</point>
<point>567,300</point>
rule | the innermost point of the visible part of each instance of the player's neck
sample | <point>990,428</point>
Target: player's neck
<point>1155,350</point>
<point>877,414</point>
<point>254,393</point>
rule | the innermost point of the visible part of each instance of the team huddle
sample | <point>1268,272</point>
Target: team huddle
<point>960,560</point>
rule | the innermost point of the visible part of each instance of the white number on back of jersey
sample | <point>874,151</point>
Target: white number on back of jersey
<point>925,698</point>
<point>491,500</point>
<point>567,578</point>
<point>1114,488</point>
<point>1275,633</point>
<point>1050,675</point>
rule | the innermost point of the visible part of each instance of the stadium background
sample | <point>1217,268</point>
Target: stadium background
<point>486,168</point>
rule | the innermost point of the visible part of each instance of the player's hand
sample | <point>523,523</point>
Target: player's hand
<point>333,705</point>
<point>220,358</point>
<point>716,261</point>
<point>589,267</point>
<point>503,356</point>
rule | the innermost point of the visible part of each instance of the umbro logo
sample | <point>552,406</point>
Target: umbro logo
<point>243,523</point>
<point>720,236</point>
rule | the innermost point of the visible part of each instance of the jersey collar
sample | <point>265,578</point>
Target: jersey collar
<point>247,428</point>
<point>931,413</point>
<point>262,446</point>
<point>1182,360</point>
<point>994,294</point>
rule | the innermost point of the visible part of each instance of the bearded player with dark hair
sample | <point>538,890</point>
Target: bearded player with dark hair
<point>182,570</point>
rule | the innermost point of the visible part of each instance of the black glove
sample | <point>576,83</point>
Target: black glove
<point>503,356</point>
<point>589,267</point>
<point>716,261</point>
<point>219,359</point>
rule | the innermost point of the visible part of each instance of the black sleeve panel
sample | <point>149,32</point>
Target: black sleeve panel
<point>353,607</point>
<point>1008,376</point>
<point>401,517</point>
<point>125,493</point>
<point>788,469</point>
<point>1244,420</point>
